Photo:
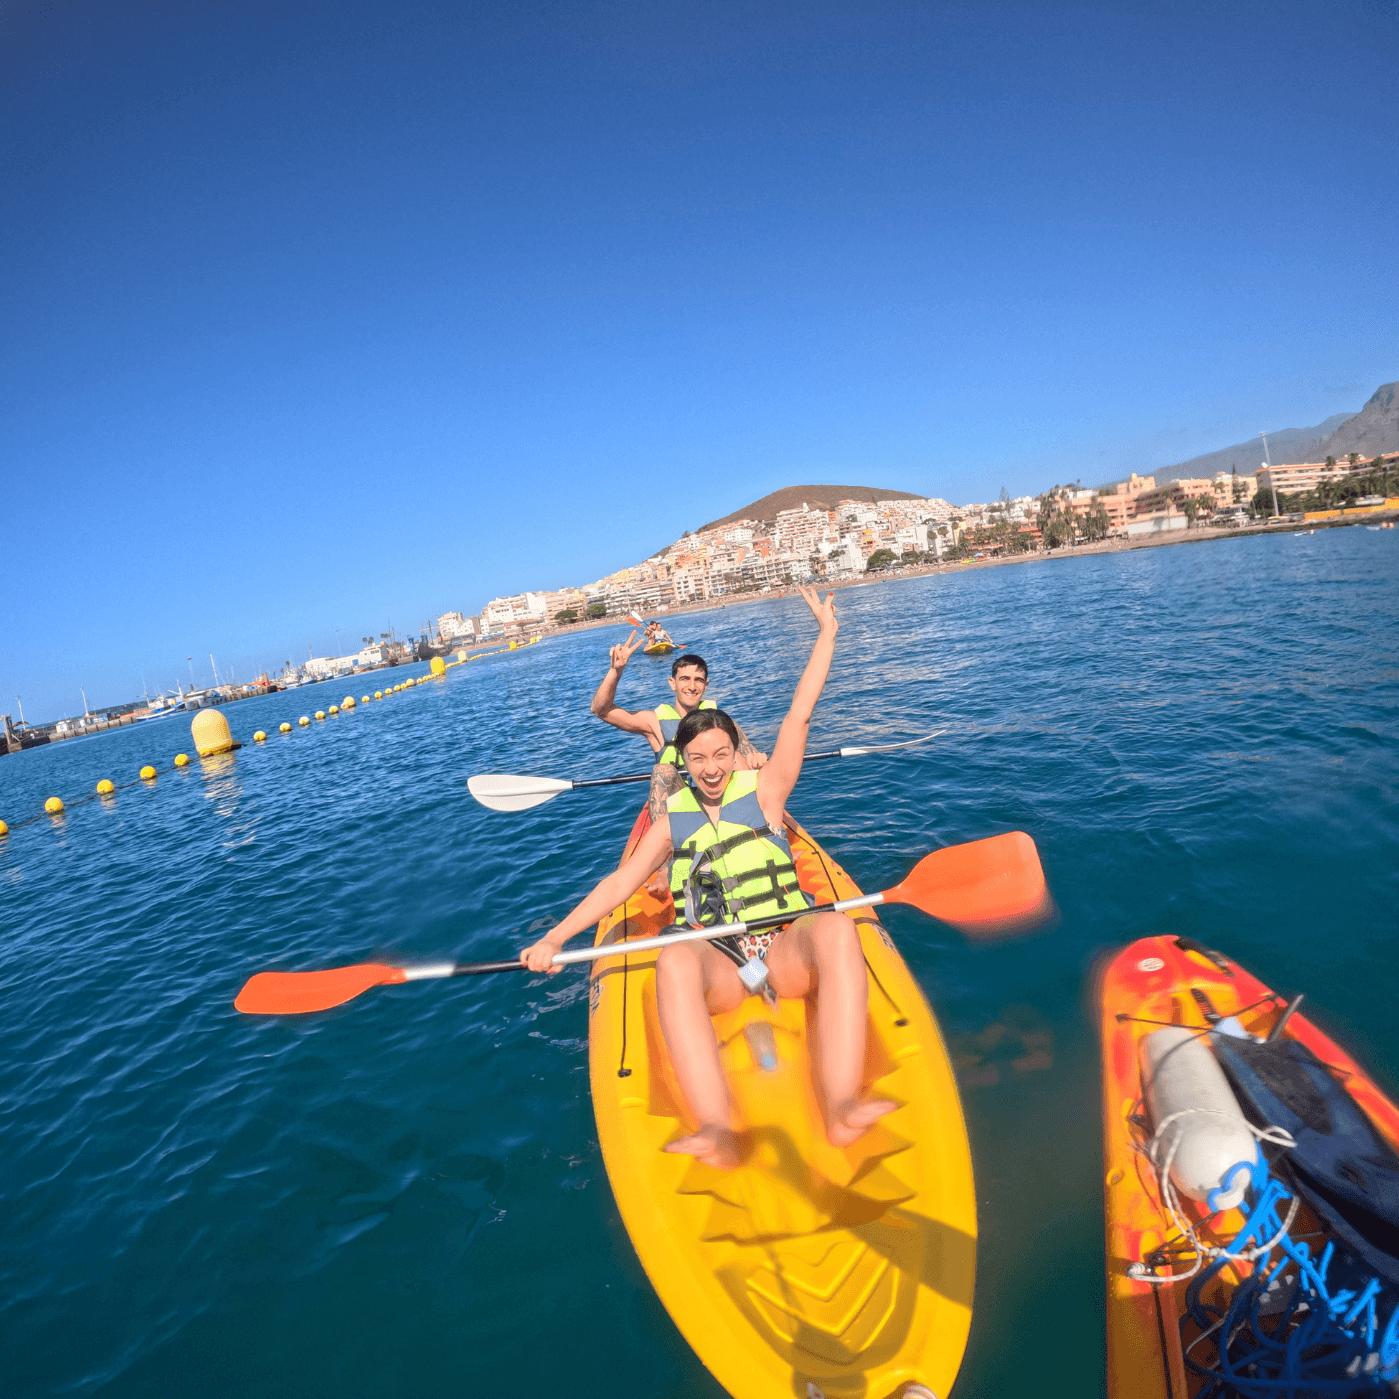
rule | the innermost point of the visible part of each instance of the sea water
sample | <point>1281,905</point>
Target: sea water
<point>404,1196</point>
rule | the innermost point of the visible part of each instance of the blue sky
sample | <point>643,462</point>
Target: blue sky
<point>319,318</point>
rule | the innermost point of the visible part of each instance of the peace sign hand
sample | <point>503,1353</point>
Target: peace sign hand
<point>622,652</point>
<point>824,612</point>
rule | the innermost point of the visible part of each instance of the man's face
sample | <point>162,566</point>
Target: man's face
<point>689,686</point>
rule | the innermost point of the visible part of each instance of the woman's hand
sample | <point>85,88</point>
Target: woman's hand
<point>539,956</point>
<point>824,612</point>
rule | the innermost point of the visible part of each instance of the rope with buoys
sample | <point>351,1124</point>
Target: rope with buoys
<point>224,743</point>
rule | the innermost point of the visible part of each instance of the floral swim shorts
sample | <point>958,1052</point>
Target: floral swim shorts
<point>757,944</point>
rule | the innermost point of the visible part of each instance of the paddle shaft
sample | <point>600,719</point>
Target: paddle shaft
<point>434,970</point>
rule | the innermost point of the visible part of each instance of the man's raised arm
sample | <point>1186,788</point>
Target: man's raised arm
<point>607,709</point>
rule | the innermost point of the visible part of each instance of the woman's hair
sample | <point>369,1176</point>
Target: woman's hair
<point>699,721</point>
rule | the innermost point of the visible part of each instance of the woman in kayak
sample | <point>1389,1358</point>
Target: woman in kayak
<point>732,863</point>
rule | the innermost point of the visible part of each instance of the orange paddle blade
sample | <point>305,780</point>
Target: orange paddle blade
<point>291,993</point>
<point>985,887</point>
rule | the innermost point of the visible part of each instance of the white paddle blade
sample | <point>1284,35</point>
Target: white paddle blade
<point>502,792</point>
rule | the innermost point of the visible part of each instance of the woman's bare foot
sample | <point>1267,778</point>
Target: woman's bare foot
<point>851,1119</point>
<point>715,1146</point>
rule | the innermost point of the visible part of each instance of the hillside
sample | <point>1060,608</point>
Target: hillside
<point>1288,444</point>
<point>818,497</point>
<point>1374,429</point>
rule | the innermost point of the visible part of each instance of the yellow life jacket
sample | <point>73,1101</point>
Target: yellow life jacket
<point>670,718</point>
<point>739,868</point>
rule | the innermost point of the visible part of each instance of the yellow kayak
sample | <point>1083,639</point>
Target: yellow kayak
<point>809,1271</point>
<point>659,648</point>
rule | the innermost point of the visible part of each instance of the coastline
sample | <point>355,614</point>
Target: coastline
<point>1201,535</point>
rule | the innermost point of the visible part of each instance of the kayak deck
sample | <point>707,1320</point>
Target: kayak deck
<point>809,1270</point>
<point>659,648</point>
<point>1156,979</point>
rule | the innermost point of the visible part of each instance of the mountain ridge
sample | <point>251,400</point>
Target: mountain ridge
<point>765,508</point>
<point>1371,430</point>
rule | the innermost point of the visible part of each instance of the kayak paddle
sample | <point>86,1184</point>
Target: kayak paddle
<point>983,888</point>
<point>503,792</point>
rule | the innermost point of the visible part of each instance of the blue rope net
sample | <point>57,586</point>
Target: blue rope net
<point>1300,1324</point>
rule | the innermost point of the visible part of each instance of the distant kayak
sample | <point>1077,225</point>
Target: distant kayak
<point>1230,1123</point>
<point>809,1270</point>
<point>658,648</point>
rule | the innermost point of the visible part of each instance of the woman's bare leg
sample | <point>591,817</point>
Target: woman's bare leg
<point>820,956</point>
<point>694,982</point>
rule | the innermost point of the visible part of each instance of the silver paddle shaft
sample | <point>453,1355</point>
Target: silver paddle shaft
<point>594,954</point>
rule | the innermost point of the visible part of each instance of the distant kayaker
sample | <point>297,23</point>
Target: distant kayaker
<point>689,678</point>
<point>732,861</point>
<point>656,634</point>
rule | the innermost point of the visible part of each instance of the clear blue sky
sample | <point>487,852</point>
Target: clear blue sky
<point>325,316</point>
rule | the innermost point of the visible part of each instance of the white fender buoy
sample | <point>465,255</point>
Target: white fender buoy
<point>1209,1144</point>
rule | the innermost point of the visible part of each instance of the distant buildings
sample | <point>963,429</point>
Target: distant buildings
<point>1307,476</point>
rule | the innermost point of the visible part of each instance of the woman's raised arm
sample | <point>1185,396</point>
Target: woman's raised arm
<point>619,886</point>
<point>779,776</point>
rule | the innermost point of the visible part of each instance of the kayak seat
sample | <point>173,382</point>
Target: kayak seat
<point>1341,1165</point>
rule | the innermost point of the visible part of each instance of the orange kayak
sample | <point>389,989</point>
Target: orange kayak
<point>809,1271</point>
<point>1156,1345</point>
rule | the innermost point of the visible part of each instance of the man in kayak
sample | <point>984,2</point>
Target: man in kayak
<point>689,677</point>
<point>732,861</point>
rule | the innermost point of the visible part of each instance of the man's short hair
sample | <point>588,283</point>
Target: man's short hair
<point>679,665</point>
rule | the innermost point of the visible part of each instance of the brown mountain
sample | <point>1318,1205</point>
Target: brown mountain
<point>818,497</point>
<point>1374,429</point>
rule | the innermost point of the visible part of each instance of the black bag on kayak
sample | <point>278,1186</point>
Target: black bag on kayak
<point>1341,1166</point>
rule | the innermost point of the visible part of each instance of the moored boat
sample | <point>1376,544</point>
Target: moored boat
<point>808,1271</point>
<point>1282,1277</point>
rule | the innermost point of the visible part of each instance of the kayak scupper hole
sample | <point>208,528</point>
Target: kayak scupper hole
<point>900,1023</point>
<point>623,1073</point>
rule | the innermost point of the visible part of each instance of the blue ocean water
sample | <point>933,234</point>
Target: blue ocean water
<point>405,1196</point>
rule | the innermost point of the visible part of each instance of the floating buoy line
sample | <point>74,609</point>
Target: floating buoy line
<point>212,736</point>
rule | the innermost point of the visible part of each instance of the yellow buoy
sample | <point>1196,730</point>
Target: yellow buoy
<point>439,666</point>
<point>378,694</point>
<point>105,787</point>
<point>4,829</point>
<point>320,714</point>
<point>303,721</point>
<point>54,805</point>
<point>181,760</point>
<point>210,733</point>
<point>364,699</point>
<point>284,728</point>
<point>148,773</point>
<point>334,709</point>
<point>348,702</point>
<point>259,736</point>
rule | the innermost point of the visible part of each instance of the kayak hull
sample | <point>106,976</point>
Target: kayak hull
<point>1156,979</point>
<point>660,648</point>
<point>808,1271</point>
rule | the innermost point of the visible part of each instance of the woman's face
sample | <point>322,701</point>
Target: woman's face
<point>710,759</point>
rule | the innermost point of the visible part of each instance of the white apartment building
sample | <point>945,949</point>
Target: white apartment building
<point>523,607</point>
<point>452,625</point>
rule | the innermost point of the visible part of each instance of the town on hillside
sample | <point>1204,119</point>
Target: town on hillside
<point>807,543</point>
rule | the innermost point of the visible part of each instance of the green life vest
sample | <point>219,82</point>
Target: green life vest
<point>670,718</point>
<point>744,861</point>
